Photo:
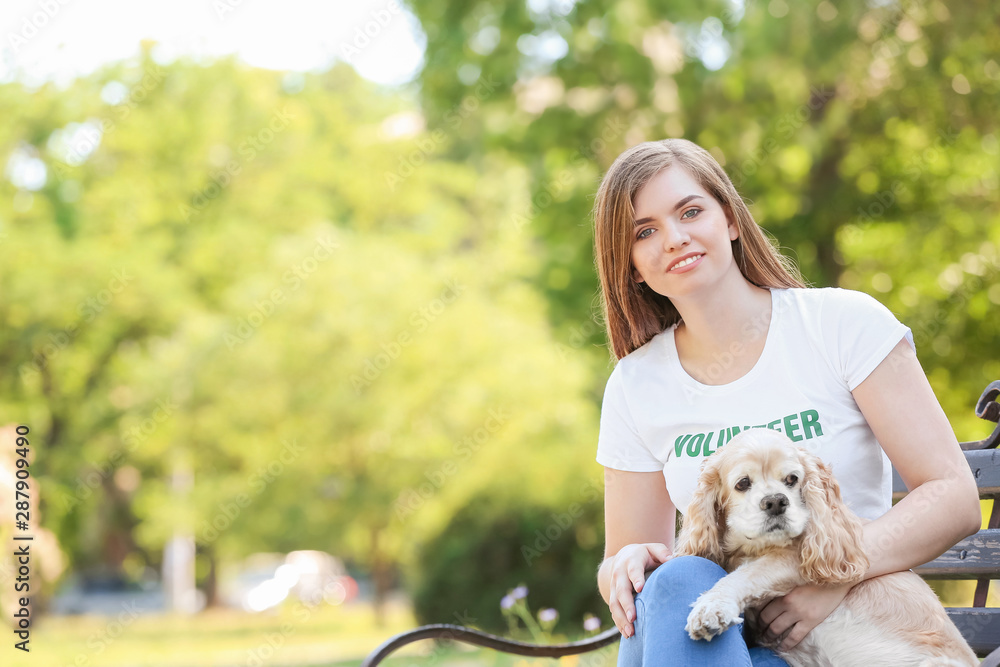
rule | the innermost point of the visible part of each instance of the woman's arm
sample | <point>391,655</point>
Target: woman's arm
<point>941,508</point>
<point>637,511</point>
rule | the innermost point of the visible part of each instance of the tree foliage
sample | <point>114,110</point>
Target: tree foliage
<point>838,122</point>
<point>230,298</point>
<point>282,311</point>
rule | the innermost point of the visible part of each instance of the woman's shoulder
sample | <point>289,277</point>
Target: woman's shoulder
<point>819,298</point>
<point>656,350</point>
<point>825,313</point>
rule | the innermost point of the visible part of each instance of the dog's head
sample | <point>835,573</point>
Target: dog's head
<point>760,492</point>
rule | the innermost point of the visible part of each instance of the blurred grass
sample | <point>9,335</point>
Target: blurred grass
<point>294,636</point>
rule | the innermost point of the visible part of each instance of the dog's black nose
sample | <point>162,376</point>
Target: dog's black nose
<point>774,504</point>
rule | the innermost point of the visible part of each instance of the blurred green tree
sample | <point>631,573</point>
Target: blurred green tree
<point>833,119</point>
<point>227,294</point>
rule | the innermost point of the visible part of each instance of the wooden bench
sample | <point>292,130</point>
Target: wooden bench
<point>976,557</point>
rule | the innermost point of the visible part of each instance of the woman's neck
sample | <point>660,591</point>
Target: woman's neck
<point>711,323</point>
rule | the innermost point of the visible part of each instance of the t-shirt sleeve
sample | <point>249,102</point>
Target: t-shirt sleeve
<point>858,333</point>
<point>619,444</point>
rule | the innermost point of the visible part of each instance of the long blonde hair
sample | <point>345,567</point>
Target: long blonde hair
<point>634,313</point>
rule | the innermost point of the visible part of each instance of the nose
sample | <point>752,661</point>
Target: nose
<point>774,504</point>
<point>674,236</point>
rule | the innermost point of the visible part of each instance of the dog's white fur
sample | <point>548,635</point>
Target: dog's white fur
<point>810,537</point>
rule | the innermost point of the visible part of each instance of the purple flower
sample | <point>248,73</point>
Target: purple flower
<point>519,592</point>
<point>592,624</point>
<point>548,615</point>
<point>507,602</point>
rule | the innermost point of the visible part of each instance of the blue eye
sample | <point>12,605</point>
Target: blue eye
<point>694,210</point>
<point>643,234</point>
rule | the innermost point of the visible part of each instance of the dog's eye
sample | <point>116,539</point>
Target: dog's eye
<point>791,480</point>
<point>743,484</point>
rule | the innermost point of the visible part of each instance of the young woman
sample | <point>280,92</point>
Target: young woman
<point>714,332</point>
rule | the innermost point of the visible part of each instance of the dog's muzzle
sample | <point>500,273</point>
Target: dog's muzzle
<point>774,504</point>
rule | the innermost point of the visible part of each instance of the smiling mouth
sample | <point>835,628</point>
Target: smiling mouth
<point>683,263</point>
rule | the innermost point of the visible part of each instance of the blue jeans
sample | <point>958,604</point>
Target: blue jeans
<point>662,608</point>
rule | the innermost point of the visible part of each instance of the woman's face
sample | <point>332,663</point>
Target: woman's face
<point>681,239</point>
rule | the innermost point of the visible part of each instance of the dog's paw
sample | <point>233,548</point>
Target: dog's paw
<point>710,616</point>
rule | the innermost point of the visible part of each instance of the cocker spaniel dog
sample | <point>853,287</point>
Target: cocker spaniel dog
<point>771,515</point>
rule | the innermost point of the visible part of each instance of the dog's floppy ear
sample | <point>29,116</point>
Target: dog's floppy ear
<point>831,549</point>
<point>705,518</point>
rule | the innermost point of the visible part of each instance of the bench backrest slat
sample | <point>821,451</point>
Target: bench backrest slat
<point>973,557</point>
<point>985,465</point>
<point>979,625</point>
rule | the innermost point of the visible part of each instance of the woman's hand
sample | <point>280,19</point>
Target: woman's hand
<point>798,612</point>
<point>628,574</point>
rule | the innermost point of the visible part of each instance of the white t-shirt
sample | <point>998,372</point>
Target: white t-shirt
<point>821,344</point>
